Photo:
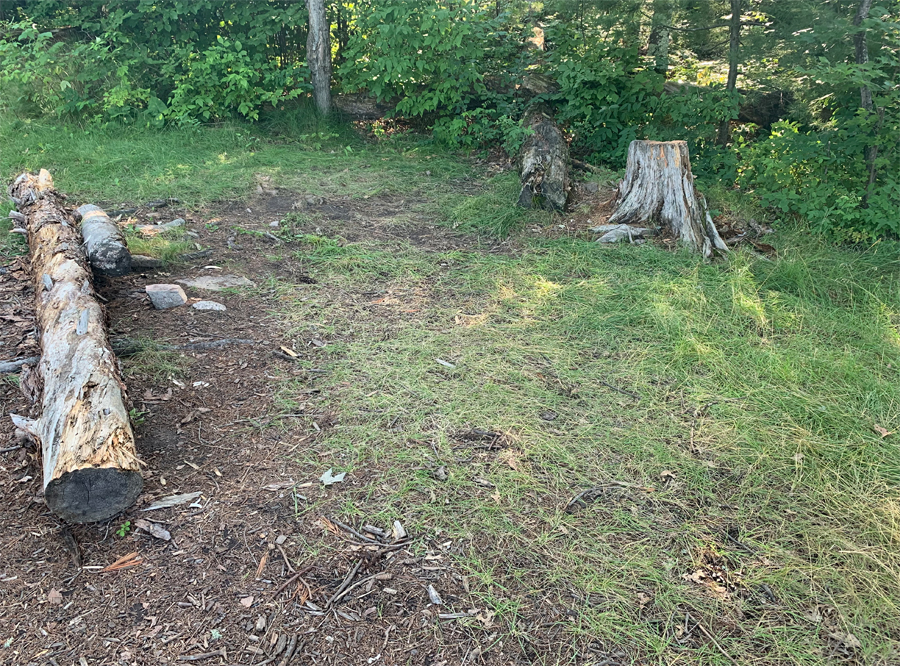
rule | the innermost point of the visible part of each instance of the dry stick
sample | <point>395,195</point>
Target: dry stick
<point>622,391</point>
<point>715,642</point>
<point>286,560</point>
<point>354,532</point>
<point>204,655</point>
<point>291,580</point>
<point>343,594</point>
<point>9,367</point>
<point>344,585</point>
<point>11,448</point>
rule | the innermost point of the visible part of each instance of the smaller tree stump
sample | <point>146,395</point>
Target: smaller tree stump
<point>658,190</point>
<point>544,164</point>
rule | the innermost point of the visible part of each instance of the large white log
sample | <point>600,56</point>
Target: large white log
<point>658,191</point>
<point>91,468</point>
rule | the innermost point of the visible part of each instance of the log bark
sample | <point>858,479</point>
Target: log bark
<point>91,469</point>
<point>104,242</point>
<point>544,165</point>
<point>658,190</point>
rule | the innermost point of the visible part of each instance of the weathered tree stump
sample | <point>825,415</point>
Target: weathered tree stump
<point>104,242</point>
<point>544,164</point>
<point>658,190</point>
<point>91,468</point>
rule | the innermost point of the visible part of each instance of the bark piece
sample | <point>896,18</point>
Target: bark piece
<point>658,190</point>
<point>91,469</point>
<point>544,164</point>
<point>104,243</point>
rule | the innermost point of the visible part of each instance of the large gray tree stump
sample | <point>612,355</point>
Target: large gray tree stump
<point>91,468</point>
<point>658,190</point>
<point>544,164</point>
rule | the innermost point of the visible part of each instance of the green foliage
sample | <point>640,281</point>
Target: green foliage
<point>124,529</point>
<point>420,53</point>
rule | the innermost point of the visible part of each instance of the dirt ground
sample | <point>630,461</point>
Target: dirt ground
<point>250,575</point>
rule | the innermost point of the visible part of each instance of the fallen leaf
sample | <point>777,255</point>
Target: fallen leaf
<point>667,476</point>
<point>289,352</point>
<point>881,431</point>
<point>848,640</point>
<point>153,529</point>
<point>328,478</point>
<point>246,602</point>
<point>54,598</point>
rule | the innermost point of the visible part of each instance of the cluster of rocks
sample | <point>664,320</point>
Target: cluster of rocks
<point>167,296</point>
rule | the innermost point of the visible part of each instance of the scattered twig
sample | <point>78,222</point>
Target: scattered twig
<point>291,358</point>
<point>287,562</point>
<point>11,448</point>
<point>590,494</point>
<point>290,580</point>
<point>203,655</point>
<point>343,588</point>
<point>344,593</point>
<point>352,531</point>
<point>622,391</point>
<point>700,626</point>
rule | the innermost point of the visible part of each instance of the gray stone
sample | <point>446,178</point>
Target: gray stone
<point>168,226</point>
<point>209,305</point>
<point>141,262</point>
<point>165,296</point>
<point>274,224</point>
<point>217,282</point>
<point>592,186</point>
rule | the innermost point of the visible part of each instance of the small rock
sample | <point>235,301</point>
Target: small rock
<point>592,187</point>
<point>165,296</point>
<point>398,531</point>
<point>549,415</point>
<point>141,262</point>
<point>281,539</point>
<point>433,596</point>
<point>209,305</point>
<point>275,223</point>
<point>261,623</point>
<point>168,226</point>
<point>217,282</point>
<point>192,234</point>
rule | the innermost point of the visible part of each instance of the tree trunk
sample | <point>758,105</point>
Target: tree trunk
<point>658,190</point>
<point>104,243</point>
<point>318,54</point>
<point>544,164</point>
<point>91,468</point>
<point>734,46</point>
<point>658,43</point>
<point>865,94</point>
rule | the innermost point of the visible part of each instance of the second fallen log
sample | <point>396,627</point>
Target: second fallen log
<point>104,242</point>
<point>90,464</point>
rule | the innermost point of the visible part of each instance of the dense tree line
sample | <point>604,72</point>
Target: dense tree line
<point>798,100</point>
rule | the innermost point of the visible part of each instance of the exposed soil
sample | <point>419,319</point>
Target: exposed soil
<point>249,570</point>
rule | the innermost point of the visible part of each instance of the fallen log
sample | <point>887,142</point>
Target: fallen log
<point>658,190</point>
<point>544,164</point>
<point>90,465</point>
<point>104,242</point>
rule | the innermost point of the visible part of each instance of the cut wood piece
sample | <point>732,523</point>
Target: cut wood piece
<point>91,468</point>
<point>104,242</point>
<point>544,164</point>
<point>658,190</point>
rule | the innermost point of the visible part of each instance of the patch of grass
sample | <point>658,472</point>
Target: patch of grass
<point>166,246</point>
<point>773,498</point>
<point>491,213</point>
<point>153,362</point>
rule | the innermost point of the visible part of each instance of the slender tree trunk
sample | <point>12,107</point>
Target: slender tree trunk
<point>865,94</point>
<point>734,47</point>
<point>318,54</point>
<point>658,43</point>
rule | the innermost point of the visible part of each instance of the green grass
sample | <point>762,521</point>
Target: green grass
<point>760,382</point>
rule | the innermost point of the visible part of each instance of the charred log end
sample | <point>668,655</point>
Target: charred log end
<point>93,494</point>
